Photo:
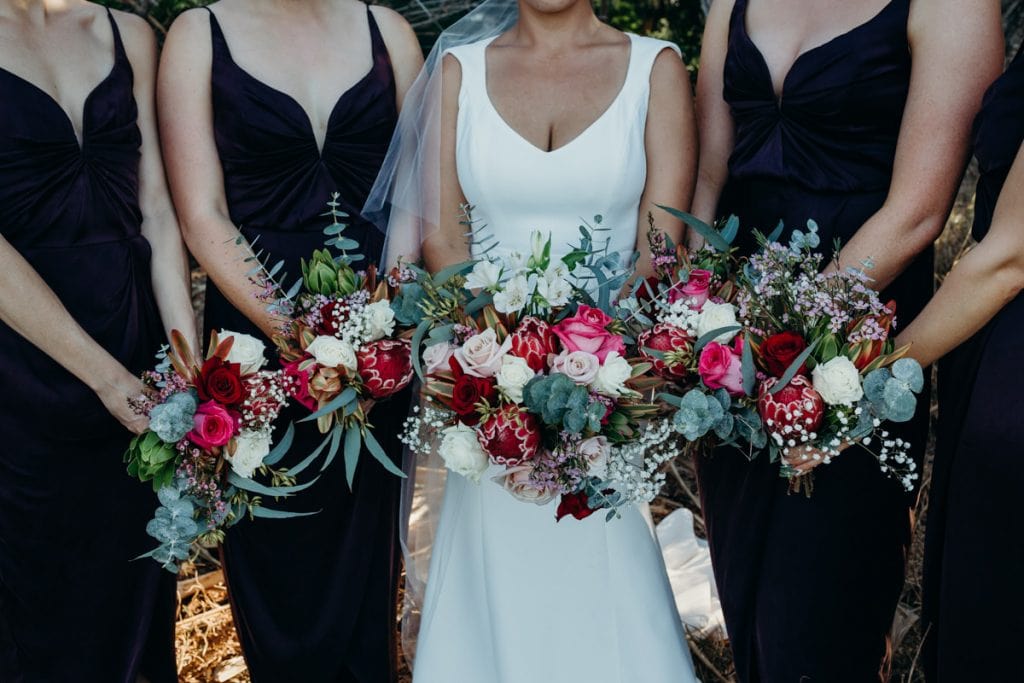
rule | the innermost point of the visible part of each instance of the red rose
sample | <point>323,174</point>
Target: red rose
<point>467,392</point>
<point>332,316</point>
<point>574,504</point>
<point>797,406</point>
<point>532,341</point>
<point>220,381</point>
<point>675,345</point>
<point>509,435</point>
<point>587,331</point>
<point>780,350</point>
<point>385,366</point>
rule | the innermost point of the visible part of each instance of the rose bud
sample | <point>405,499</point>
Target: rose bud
<point>574,504</point>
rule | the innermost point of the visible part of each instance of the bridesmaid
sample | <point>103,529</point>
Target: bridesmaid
<point>974,557</point>
<point>83,203</point>
<point>856,115</point>
<point>257,140</point>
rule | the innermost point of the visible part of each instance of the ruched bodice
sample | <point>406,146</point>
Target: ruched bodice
<point>275,176</point>
<point>73,603</point>
<point>836,124</point>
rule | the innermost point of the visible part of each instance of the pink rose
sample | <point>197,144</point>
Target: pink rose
<point>697,289</point>
<point>587,331</point>
<point>516,480</point>
<point>213,425</point>
<point>298,388</point>
<point>436,357</point>
<point>721,367</point>
<point>579,366</point>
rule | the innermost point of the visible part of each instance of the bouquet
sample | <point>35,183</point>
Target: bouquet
<point>529,377</point>
<point>829,373</point>
<point>341,345</point>
<point>209,433</point>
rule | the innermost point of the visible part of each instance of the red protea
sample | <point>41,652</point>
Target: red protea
<point>532,341</point>
<point>796,406</point>
<point>509,435</point>
<point>675,346</point>
<point>385,366</point>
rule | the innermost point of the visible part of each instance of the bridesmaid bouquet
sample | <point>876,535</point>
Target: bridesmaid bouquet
<point>829,375</point>
<point>527,368</point>
<point>342,346</point>
<point>209,433</point>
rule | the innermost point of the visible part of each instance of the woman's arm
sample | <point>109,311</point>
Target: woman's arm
<point>982,283</point>
<point>446,244</point>
<point>404,49</point>
<point>31,309</point>
<point>670,140</point>
<point>946,87</point>
<point>185,106</point>
<point>170,269</point>
<point>714,120</point>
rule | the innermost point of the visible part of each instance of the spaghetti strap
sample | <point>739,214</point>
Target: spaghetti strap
<point>119,52</point>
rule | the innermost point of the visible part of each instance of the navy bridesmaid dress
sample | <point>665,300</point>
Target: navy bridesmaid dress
<point>314,598</point>
<point>809,585</point>
<point>974,545</point>
<point>73,604</point>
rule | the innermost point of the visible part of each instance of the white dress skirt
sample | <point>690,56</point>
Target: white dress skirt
<point>512,595</point>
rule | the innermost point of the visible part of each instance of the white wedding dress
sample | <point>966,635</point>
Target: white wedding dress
<point>512,596</point>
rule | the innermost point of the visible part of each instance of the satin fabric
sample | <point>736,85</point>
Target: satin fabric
<point>974,557</point>
<point>809,585</point>
<point>313,597</point>
<point>74,604</point>
<point>513,596</point>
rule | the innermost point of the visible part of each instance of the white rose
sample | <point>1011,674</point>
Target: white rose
<point>332,352</point>
<point>714,317</point>
<point>481,355</point>
<point>436,356</point>
<point>612,376</point>
<point>516,480</point>
<point>250,449</point>
<point>485,275</point>
<point>579,366</point>
<point>596,451</point>
<point>246,350</point>
<point>379,319</point>
<point>514,374</point>
<point>462,453</point>
<point>513,296</point>
<point>838,381</point>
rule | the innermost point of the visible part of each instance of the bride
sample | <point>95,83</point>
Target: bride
<point>551,119</point>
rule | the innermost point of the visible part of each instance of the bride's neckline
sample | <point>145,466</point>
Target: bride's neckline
<point>585,130</point>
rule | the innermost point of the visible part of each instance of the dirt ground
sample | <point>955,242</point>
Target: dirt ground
<point>208,650</point>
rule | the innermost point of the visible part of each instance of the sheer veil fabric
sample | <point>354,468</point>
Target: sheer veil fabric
<point>404,204</point>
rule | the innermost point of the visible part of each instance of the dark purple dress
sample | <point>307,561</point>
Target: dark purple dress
<point>974,548</point>
<point>73,604</point>
<point>314,597</point>
<point>809,586</point>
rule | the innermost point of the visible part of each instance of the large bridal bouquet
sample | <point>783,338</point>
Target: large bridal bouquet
<point>341,346</point>
<point>209,434</point>
<point>529,377</point>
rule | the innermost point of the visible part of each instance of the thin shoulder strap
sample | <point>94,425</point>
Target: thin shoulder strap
<point>119,52</point>
<point>216,34</point>
<point>376,39</point>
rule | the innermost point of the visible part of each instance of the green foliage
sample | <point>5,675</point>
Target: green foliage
<point>678,21</point>
<point>559,400</point>
<point>151,459</point>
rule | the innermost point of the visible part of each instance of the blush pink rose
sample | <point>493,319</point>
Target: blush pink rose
<point>721,367</point>
<point>579,366</point>
<point>587,331</point>
<point>697,289</point>
<point>213,425</point>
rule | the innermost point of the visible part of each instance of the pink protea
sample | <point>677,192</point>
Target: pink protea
<point>510,435</point>
<point>795,410</point>
<point>675,346</point>
<point>385,366</point>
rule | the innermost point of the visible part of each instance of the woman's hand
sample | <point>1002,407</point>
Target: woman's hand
<point>117,392</point>
<point>803,459</point>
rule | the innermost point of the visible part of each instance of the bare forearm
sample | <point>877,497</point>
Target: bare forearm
<point>228,260</point>
<point>33,310</point>
<point>170,275</point>
<point>984,281</point>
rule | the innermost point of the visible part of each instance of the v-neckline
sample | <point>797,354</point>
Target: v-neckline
<point>307,119</point>
<point>780,94</point>
<point>600,117</point>
<point>78,135</point>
